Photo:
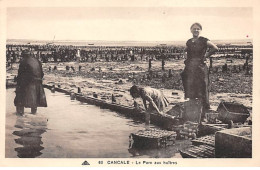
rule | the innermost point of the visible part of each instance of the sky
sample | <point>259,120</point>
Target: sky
<point>128,23</point>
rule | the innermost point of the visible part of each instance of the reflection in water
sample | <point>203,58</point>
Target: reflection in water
<point>30,128</point>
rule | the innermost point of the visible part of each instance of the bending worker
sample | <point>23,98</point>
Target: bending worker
<point>155,97</point>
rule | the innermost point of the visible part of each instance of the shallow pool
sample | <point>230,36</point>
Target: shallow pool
<point>71,129</point>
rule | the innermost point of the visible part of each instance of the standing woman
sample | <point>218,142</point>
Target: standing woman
<point>195,76</point>
<point>29,90</point>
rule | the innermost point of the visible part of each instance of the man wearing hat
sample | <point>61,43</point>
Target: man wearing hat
<point>29,90</point>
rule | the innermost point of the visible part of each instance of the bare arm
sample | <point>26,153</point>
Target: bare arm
<point>150,100</point>
<point>213,49</point>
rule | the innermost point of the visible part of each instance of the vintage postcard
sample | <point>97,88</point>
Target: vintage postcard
<point>129,83</point>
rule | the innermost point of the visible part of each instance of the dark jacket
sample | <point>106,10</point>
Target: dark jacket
<point>29,90</point>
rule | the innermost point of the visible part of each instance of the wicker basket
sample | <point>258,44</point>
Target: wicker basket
<point>232,111</point>
<point>151,138</point>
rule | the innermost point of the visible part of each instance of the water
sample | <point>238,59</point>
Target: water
<point>71,129</point>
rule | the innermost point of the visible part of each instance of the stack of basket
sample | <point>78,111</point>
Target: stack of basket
<point>152,138</point>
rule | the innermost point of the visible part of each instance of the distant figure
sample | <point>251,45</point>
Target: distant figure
<point>155,97</point>
<point>29,90</point>
<point>195,76</point>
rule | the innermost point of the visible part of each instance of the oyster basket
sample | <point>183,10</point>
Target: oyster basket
<point>152,138</point>
<point>205,140</point>
<point>232,112</point>
<point>201,151</point>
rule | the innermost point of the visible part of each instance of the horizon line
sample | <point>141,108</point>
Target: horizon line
<point>250,39</point>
